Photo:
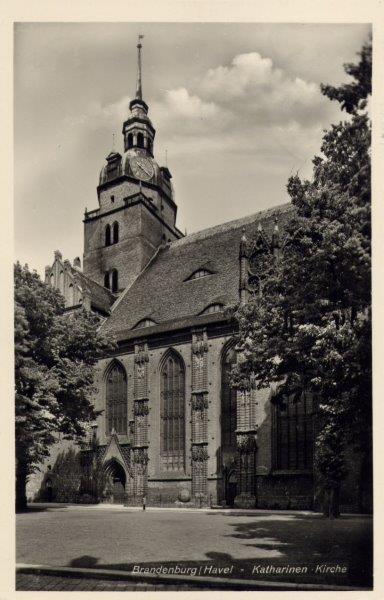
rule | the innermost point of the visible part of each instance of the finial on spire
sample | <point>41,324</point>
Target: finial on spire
<point>243,237</point>
<point>166,158</point>
<point>113,141</point>
<point>259,227</point>
<point>139,92</point>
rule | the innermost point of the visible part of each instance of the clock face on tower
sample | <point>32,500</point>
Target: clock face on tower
<point>142,168</point>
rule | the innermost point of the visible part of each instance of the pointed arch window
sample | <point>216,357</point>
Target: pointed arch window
<point>61,282</point>
<point>106,280</point>
<point>115,280</point>
<point>172,407</point>
<point>108,235</point>
<point>130,140</point>
<point>116,399</point>
<point>293,433</point>
<point>115,230</point>
<point>228,402</point>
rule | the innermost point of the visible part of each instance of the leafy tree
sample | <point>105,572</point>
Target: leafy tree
<point>55,354</point>
<point>310,329</point>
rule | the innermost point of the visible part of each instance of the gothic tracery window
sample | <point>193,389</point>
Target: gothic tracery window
<point>172,447</point>
<point>116,399</point>
<point>228,402</point>
<point>293,433</point>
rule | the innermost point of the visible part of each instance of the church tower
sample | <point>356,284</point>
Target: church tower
<point>137,211</point>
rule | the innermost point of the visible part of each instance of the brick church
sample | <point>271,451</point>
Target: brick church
<point>172,429</point>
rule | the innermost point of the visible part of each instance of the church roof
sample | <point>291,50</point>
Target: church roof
<point>101,298</point>
<point>163,292</point>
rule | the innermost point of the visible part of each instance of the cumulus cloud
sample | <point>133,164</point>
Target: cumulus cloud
<point>248,93</point>
<point>247,106</point>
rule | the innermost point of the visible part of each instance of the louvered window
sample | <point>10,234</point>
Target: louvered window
<point>116,399</point>
<point>173,413</point>
<point>228,403</point>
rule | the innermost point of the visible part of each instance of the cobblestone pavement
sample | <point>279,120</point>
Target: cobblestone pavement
<point>249,546</point>
<point>49,583</point>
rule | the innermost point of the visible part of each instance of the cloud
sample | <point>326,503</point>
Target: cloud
<point>249,106</point>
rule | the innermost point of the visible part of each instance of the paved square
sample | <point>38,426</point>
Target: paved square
<point>251,544</point>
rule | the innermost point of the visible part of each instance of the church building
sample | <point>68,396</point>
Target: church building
<point>172,429</point>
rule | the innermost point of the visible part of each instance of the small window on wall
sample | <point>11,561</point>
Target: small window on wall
<point>130,140</point>
<point>108,235</point>
<point>115,281</point>
<point>106,280</point>
<point>115,232</point>
<point>112,199</point>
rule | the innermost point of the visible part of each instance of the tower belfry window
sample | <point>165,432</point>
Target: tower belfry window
<point>115,280</point>
<point>140,140</point>
<point>115,232</point>
<point>108,235</point>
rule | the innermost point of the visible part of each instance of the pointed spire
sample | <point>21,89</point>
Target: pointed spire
<point>139,91</point>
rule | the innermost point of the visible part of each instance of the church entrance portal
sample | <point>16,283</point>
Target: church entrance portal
<point>231,489</point>
<point>115,486</point>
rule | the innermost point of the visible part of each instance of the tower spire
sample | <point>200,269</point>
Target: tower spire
<point>139,92</point>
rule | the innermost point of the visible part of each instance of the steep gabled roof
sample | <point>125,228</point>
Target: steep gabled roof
<point>163,292</point>
<point>101,298</point>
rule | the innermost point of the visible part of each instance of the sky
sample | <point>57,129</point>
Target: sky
<point>236,107</point>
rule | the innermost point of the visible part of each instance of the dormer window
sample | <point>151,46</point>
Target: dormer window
<point>199,274</point>
<point>212,308</point>
<point>144,323</point>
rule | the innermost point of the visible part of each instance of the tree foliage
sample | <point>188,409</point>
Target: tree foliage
<point>311,328</point>
<point>55,355</point>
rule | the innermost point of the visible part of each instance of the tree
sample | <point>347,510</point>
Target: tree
<point>310,329</point>
<point>55,355</point>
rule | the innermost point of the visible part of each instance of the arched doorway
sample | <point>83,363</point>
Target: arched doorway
<point>116,479</point>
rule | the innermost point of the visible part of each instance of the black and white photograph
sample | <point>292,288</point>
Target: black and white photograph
<point>193,306</point>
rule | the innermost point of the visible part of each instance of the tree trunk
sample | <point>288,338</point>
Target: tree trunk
<point>21,483</point>
<point>332,503</point>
